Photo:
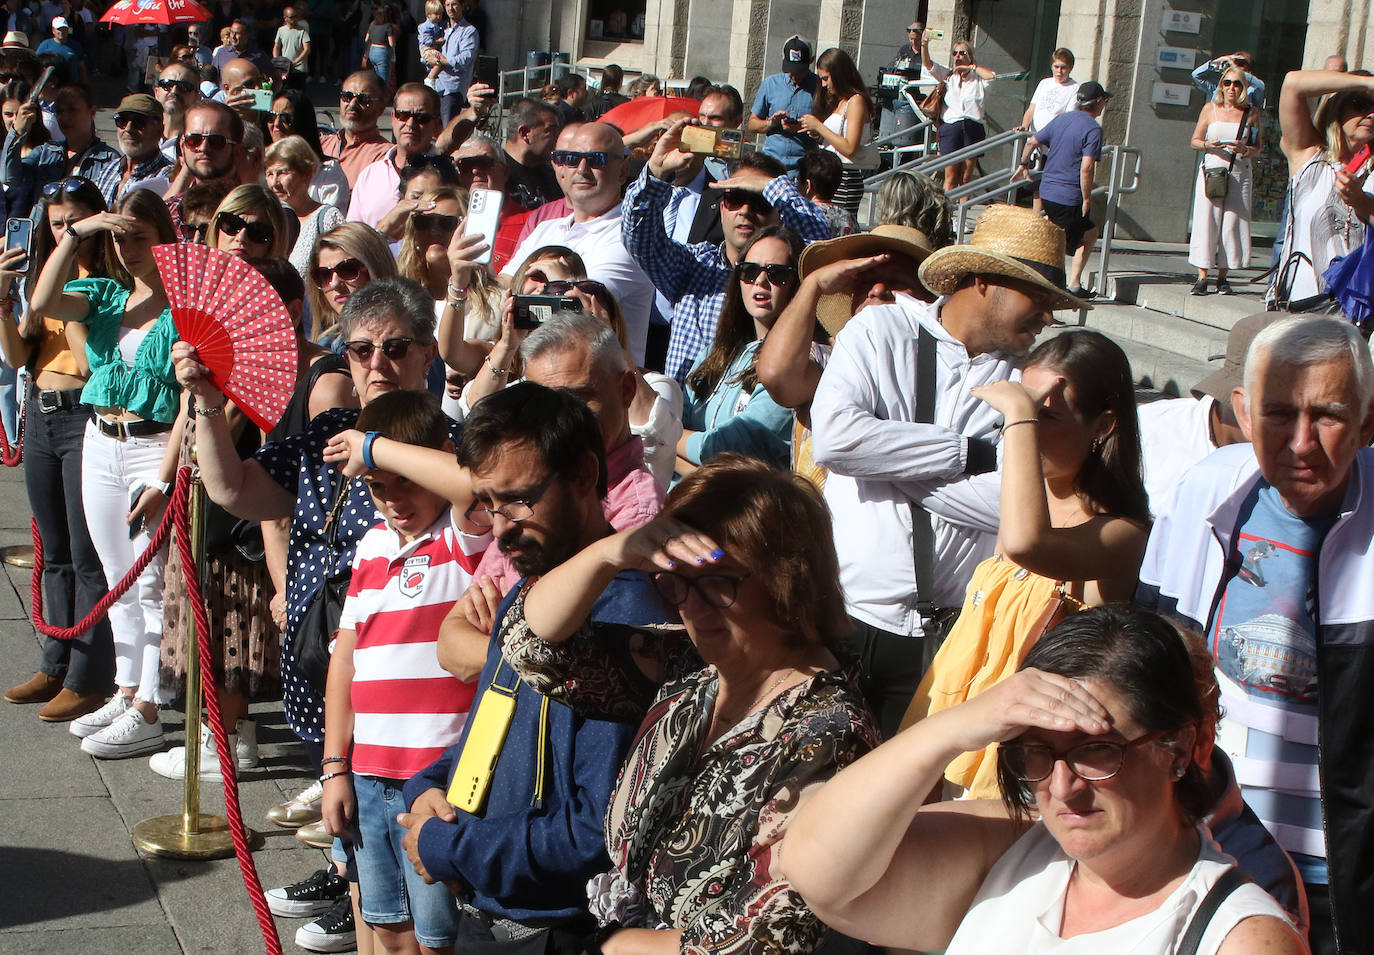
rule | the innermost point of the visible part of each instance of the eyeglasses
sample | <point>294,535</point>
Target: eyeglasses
<point>474,164</point>
<point>229,224</point>
<point>348,271</point>
<point>180,86</point>
<point>434,222</point>
<point>718,590</point>
<point>392,348</point>
<point>571,158</point>
<point>514,511</point>
<point>1232,83</point>
<point>778,273</point>
<point>69,185</point>
<point>736,199</point>
<point>406,115</point>
<point>207,141</point>
<point>365,100</point>
<point>1094,760</point>
<point>286,119</point>
<point>125,120</point>
<point>588,286</point>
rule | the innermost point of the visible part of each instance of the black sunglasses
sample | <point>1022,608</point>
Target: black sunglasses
<point>125,119</point>
<point>286,119</point>
<point>588,286</point>
<point>434,222</point>
<point>181,86</point>
<point>778,273</point>
<point>1232,83</point>
<point>472,164</point>
<point>572,158</point>
<point>68,185</point>
<point>406,115</point>
<point>348,270</point>
<point>364,99</point>
<point>193,233</point>
<point>229,224</point>
<point>718,590</point>
<point>215,141</point>
<point>736,199</point>
<point>393,348</point>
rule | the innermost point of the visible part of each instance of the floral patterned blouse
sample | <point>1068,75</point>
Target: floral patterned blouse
<point>692,828</point>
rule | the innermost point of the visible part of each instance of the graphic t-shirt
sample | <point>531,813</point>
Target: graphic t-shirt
<point>1263,640</point>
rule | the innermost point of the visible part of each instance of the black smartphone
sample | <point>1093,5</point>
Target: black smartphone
<point>488,71</point>
<point>531,311</point>
<point>135,493</point>
<point>19,235</point>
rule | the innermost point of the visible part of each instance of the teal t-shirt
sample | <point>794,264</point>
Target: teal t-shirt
<point>148,387</point>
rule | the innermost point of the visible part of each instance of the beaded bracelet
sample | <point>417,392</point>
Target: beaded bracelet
<point>206,412</point>
<point>370,437</point>
<point>498,372</point>
<point>328,776</point>
<point>333,759</point>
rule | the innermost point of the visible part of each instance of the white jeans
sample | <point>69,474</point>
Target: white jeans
<point>109,470</point>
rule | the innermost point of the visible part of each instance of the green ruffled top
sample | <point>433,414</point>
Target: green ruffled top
<point>148,387</point>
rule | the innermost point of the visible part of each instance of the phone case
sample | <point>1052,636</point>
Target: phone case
<point>472,777</point>
<point>484,218</point>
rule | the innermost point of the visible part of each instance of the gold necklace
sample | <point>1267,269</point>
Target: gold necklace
<point>718,716</point>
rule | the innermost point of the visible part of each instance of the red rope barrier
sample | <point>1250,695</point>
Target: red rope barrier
<point>180,513</point>
<point>10,457</point>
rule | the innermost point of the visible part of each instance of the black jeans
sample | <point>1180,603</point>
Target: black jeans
<point>73,580</point>
<point>891,666</point>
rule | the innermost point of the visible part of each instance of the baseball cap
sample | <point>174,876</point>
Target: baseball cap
<point>796,54</point>
<point>60,23</point>
<point>1090,92</point>
<point>139,104</point>
<point>915,26</point>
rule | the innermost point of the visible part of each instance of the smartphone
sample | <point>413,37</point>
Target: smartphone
<point>1358,160</point>
<point>43,81</point>
<point>936,34</point>
<point>705,141</point>
<point>484,218</point>
<point>262,100</point>
<point>488,71</point>
<point>19,235</point>
<point>135,493</point>
<point>531,311</point>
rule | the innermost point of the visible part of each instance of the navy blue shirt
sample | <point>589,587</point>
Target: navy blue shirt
<point>778,92</point>
<point>1068,139</point>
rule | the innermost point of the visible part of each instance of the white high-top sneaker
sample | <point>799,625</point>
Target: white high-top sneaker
<point>244,742</point>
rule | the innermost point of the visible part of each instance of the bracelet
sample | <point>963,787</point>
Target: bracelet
<point>333,759</point>
<point>73,234</point>
<point>498,372</point>
<point>368,438</point>
<point>206,412</point>
<point>456,292</point>
<point>328,776</point>
<point>1012,424</point>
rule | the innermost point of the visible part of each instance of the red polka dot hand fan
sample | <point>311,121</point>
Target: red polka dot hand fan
<point>238,324</point>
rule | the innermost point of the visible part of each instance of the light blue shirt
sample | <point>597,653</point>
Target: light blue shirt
<point>460,50</point>
<point>1206,77</point>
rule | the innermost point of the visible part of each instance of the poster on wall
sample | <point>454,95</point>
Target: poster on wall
<point>1176,58</point>
<point>1171,94</point>
<point>1181,21</point>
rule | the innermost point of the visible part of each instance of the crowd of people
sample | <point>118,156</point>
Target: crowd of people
<point>675,566</point>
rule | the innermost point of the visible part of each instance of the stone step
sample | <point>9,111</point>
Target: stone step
<point>1166,353</point>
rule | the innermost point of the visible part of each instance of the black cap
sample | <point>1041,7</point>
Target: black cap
<point>796,55</point>
<point>1091,92</point>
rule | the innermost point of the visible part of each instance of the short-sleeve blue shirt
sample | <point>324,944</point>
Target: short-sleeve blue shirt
<point>778,92</point>
<point>1068,139</point>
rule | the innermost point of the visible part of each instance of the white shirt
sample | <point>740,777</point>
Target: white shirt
<point>1052,99</point>
<point>1175,434</point>
<point>598,242</point>
<point>963,94</point>
<point>865,431</point>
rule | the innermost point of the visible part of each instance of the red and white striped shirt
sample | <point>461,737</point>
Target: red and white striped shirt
<point>406,708</point>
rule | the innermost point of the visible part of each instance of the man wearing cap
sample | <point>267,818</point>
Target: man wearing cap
<point>1266,549</point>
<point>62,44</point>
<point>890,438</point>
<point>138,122</point>
<point>1073,144</point>
<point>693,278</point>
<point>782,100</point>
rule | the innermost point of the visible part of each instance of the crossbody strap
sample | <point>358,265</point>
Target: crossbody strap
<point>923,535</point>
<point>1221,890</point>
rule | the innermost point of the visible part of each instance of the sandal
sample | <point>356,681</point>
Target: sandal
<point>1199,287</point>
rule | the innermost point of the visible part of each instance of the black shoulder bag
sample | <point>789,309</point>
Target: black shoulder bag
<point>1220,891</point>
<point>320,621</point>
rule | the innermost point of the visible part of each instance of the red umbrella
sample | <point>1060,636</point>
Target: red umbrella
<point>156,11</point>
<point>643,110</point>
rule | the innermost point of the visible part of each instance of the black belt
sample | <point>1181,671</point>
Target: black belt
<point>51,402</point>
<point>123,430</point>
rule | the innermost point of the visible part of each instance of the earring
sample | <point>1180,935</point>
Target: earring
<point>1097,443</point>
<point>1179,771</point>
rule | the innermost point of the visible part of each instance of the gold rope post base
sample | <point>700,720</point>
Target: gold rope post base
<point>18,555</point>
<point>169,836</point>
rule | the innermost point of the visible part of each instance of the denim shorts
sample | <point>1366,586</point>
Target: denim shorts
<point>391,891</point>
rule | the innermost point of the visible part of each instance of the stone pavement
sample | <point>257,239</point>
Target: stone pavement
<point>72,879</point>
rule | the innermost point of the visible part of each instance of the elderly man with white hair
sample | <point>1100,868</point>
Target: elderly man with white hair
<point>1268,549</point>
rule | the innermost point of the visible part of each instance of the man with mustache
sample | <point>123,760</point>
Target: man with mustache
<point>358,143</point>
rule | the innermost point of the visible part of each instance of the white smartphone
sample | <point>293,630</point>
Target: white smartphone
<point>484,218</point>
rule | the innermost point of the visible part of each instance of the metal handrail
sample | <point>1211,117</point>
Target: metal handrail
<point>928,164</point>
<point>1115,190</point>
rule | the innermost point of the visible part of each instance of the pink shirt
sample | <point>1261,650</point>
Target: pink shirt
<point>633,498</point>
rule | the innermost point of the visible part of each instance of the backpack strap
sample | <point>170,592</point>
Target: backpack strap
<point>1221,890</point>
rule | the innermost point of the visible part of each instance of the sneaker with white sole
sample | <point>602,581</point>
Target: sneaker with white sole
<point>301,809</point>
<point>332,932</point>
<point>84,726</point>
<point>130,735</point>
<point>313,896</point>
<point>172,764</point>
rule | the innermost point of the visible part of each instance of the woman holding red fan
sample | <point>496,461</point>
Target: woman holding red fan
<point>135,396</point>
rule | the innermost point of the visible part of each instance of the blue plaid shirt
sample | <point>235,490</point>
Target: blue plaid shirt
<point>48,163</point>
<point>694,277</point>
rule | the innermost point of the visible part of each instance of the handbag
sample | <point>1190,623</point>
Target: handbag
<point>1060,605</point>
<point>1220,891</point>
<point>1216,183</point>
<point>933,106</point>
<point>320,621</point>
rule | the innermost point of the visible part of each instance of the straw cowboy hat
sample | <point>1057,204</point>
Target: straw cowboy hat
<point>834,309</point>
<point>1007,241</point>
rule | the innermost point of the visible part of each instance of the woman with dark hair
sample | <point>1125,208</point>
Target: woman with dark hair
<point>381,42</point>
<point>18,198</point>
<point>1099,735</point>
<point>423,256</point>
<point>839,120</point>
<point>1074,521</point>
<point>134,396</point>
<point>725,751</point>
<point>75,676</point>
<point>293,114</point>
<point>725,408</point>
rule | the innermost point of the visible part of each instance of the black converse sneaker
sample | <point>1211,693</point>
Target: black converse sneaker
<point>332,932</point>
<point>312,896</point>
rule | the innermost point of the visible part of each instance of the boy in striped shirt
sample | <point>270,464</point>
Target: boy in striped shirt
<point>387,693</point>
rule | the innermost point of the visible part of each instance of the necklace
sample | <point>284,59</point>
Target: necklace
<point>718,717</point>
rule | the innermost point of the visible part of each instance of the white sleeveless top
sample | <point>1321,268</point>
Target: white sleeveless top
<point>1223,132</point>
<point>1320,225</point>
<point>1020,907</point>
<point>865,157</point>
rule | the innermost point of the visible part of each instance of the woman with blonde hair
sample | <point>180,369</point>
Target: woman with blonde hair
<point>343,260</point>
<point>249,223</point>
<point>423,255</point>
<point>1227,136</point>
<point>291,167</point>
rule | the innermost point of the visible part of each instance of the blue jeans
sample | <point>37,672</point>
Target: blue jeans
<point>450,105</point>
<point>380,58</point>
<point>73,579</point>
<point>391,891</point>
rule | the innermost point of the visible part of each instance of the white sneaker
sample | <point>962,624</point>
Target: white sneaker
<point>84,726</point>
<point>301,809</point>
<point>172,764</point>
<point>130,735</point>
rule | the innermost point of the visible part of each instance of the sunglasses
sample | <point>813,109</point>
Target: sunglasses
<point>180,86</point>
<point>365,100</point>
<point>393,348</point>
<point>961,52</point>
<point>587,286</point>
<point>434,222</point>
<point>230,224</point>
<point>736,199</point>
<point>348,271</point>
<point>572,159</point>
<point>193,233</point>
<point>125,121</point>
<point>474,164</point>
<point>1361,104</point>
<point>1232,83</point>
<point>68,185</point>
<point>207,141</point>
<point>406,115</point>
<point>778,273</point>
<point>286,119</point>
